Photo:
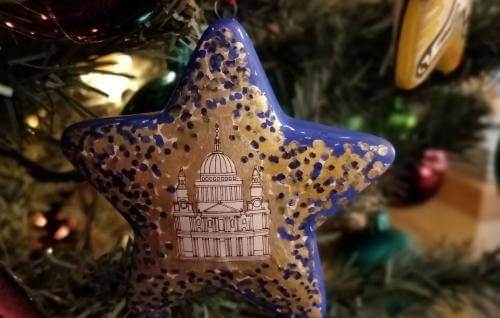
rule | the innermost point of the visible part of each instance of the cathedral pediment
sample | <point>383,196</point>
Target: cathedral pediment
<point>220,207</point>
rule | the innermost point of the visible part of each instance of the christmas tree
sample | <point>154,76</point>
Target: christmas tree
<point>330,62</point>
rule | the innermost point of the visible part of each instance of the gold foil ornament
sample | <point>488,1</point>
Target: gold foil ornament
<point>432,35</point>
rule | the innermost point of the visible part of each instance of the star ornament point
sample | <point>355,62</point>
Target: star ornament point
<point>222,188</point>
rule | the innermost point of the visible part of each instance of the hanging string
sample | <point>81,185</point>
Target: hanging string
<point>232,3</point>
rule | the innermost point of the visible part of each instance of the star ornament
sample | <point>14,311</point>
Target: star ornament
<point>222,189</point>
<point>433,34</point>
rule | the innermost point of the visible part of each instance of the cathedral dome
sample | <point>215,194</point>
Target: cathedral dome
<point>217,163</point>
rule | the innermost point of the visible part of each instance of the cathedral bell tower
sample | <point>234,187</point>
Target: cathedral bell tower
<point>256,189</point>
<point>181,190</point>
<point>181,195</point>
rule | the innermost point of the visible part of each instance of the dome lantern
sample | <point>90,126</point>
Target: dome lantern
<point>217,163</point>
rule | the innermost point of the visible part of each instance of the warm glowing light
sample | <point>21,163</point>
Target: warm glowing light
<point>123,62</point>
<point>94,30</point>
<point>39,220</point>
<point>43,17</point>
<point>42,112</point>
<point>61,233</point>
<point>32,121</point>
<point>50,250</point>
<point>9,24</point>
<point>113,85</point>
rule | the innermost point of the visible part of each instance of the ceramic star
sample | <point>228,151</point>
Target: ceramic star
<point>432,35</point>
<point>223,189</point>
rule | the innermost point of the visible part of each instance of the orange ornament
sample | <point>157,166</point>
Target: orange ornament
<point>433,34</point>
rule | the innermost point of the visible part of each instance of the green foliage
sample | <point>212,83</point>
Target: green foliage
<point>412,285</point>
<point>483,46</point>
<point>20,195</point>
<point>333,64</point>
<point>42,72</point>
<point>72,284</point>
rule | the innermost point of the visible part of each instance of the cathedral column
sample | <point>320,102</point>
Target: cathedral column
<point>222,248</point>
<point>244,246</point>
<point>199,247</point>
<point>211,244</point>
<point>234,247</point>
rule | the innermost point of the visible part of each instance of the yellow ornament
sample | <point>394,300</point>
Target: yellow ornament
<point>432,36</point>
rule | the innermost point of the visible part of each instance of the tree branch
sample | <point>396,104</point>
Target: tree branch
<point>38,172</point>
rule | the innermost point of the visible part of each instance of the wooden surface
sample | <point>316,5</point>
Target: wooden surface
<point>466,209</point>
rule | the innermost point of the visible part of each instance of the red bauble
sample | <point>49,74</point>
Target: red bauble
<point>14,303</point>
<point>81,21</point>
<point>428,176</point>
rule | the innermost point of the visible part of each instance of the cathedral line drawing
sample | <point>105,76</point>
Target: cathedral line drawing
<point>218,224</point>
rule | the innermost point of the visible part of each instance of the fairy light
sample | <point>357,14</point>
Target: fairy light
<point>169,77</point>
<point>62,232</point>
<point>32,121</point>
<point>9,24</point>
<point>113,85</point>
<point>42,112</point>
<point>39,220</point>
